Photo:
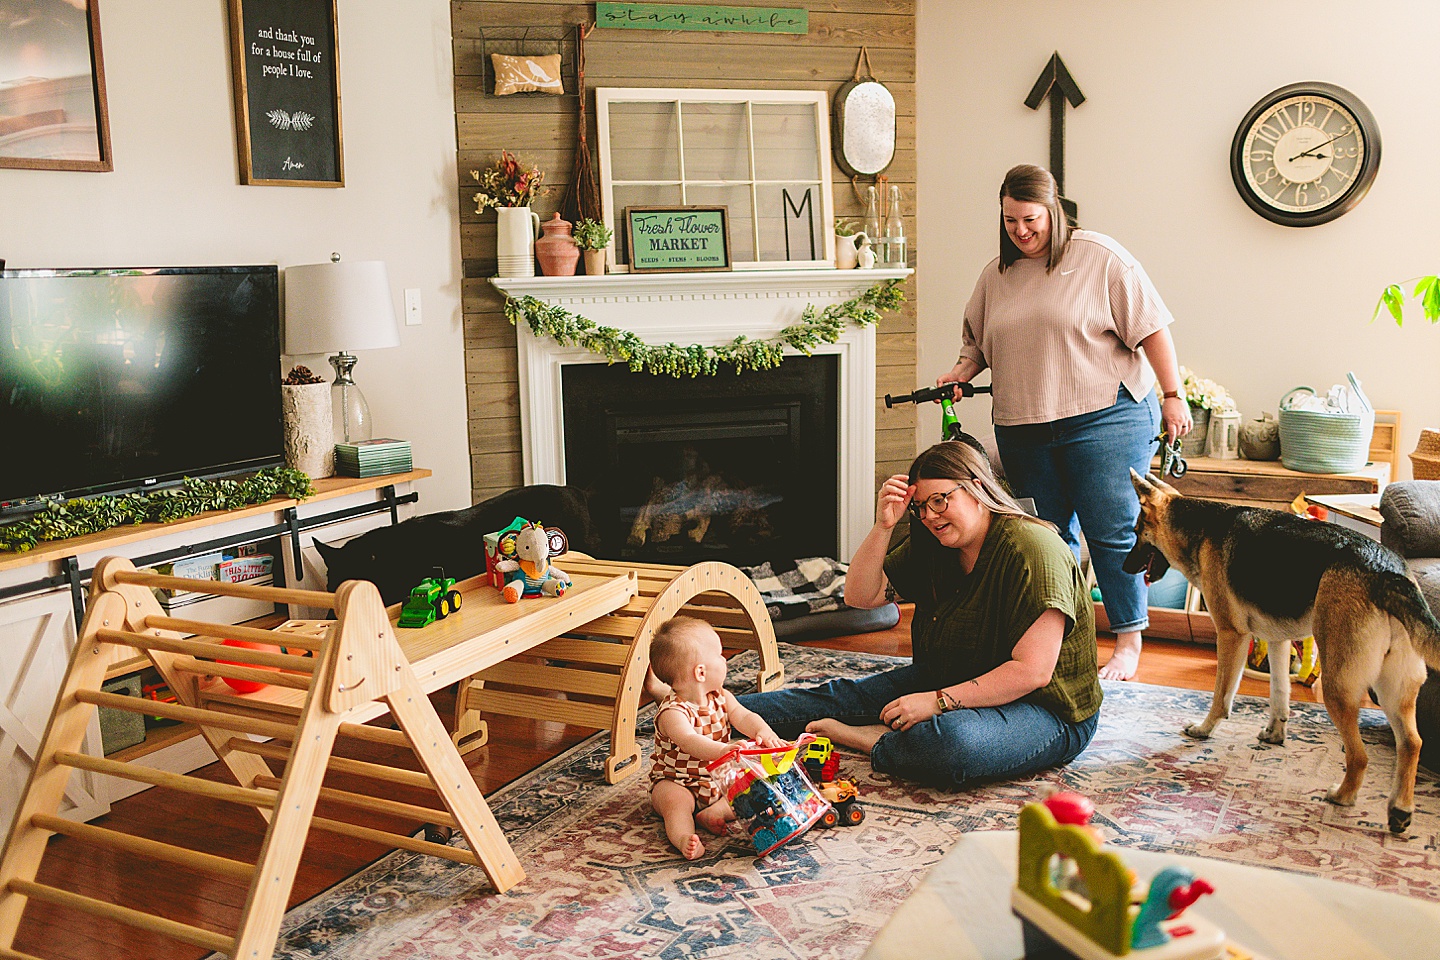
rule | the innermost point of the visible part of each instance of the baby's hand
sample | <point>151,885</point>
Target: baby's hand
<point>767,738</point>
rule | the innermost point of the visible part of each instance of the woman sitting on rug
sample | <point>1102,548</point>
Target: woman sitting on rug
<point>1003,680</point>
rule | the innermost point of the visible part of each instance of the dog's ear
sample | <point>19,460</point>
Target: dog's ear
<point>1144,486</point>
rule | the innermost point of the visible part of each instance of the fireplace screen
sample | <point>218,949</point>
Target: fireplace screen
<point>742,469</point>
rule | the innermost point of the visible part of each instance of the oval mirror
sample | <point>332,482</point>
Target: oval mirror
<point>864,127</point>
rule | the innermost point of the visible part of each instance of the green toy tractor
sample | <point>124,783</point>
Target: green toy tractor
<point>434,599</point>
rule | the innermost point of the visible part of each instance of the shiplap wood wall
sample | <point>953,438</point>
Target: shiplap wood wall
<point>542,130</point>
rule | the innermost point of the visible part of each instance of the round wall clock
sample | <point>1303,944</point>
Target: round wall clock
<point>1305,154</point>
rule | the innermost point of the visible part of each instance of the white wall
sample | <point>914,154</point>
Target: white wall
<point>174,197</point>
<point>1260,308</point>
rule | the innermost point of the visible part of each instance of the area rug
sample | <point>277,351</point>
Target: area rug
<point>602,883</point>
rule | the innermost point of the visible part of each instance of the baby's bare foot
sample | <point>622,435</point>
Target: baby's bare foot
<point>712,819</point>
<point>694,848</point>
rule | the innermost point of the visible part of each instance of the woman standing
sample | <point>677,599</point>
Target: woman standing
<point>1066,321</point>
<point>1003,679</point>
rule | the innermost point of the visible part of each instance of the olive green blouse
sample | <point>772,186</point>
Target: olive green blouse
<point>968,624</point>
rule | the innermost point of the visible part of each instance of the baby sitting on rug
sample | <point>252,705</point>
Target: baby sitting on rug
<point>692,728</point>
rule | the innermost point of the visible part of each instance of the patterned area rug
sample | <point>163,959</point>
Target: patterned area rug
<point>602,882</point>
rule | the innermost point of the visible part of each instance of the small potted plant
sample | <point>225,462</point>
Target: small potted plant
<point>592,237</point>
<point>1205,397</point>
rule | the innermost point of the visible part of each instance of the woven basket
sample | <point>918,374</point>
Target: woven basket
<point>1425,461</point>
<point>1313,441</point>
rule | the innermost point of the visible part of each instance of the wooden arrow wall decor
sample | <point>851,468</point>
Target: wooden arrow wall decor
<point>1056,83</point>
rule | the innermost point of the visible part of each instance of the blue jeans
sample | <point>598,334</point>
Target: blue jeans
<point>955,749</point>
<point>1078,469</point>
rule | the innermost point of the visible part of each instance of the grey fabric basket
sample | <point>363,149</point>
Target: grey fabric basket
<point>1313,441</point>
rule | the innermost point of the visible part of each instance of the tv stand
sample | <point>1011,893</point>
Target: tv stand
<point>43,594</point>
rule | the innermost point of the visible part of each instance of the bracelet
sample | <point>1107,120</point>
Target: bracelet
<point>1171,395</point>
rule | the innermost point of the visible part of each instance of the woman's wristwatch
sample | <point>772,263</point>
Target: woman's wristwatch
<point>1170,395</point>
<point>943,702</point>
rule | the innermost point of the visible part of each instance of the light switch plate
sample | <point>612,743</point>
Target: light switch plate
<point>412,307</point>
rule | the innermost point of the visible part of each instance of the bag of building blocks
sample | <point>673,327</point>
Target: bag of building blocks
<point>772,797</point>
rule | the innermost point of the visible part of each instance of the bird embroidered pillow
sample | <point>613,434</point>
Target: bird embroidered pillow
<point>526,74</point>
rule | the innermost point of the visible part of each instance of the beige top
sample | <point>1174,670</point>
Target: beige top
<point>1061,344</point>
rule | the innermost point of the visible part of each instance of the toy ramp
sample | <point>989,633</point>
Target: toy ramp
<point>354,662</point>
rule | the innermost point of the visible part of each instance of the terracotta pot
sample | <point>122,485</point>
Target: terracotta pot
<point>595,263</point>
<point>556,250</point>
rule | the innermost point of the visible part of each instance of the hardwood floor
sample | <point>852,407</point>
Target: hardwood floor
<point>516,747</point>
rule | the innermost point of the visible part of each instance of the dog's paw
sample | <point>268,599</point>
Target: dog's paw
<point>1274,732</point>
<point>1197,731</point>
<point>1399,820</point>
<point>1334,796</point>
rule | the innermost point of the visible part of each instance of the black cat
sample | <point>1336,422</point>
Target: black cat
<point>396,558</point>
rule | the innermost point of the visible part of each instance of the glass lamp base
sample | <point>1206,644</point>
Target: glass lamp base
<point>352,413</point>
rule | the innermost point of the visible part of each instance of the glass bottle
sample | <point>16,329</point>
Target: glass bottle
<point>895,253</point>
<point>872,224</point>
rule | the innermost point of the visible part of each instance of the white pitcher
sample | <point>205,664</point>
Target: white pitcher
<point>847,255</point>
<point>515,231</point>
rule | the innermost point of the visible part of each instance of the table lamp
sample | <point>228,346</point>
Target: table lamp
<point>341,307</point>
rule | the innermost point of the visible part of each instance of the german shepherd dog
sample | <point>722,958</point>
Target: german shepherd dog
<point>1281,577</point>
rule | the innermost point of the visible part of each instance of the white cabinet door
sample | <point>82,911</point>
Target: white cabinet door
<point>39,636</point>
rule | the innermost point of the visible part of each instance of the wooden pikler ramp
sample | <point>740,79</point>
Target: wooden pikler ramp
<point>355,662</point>
<point>600,666</point>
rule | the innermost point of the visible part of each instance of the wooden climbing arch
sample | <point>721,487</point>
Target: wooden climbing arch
<point>600,666</point>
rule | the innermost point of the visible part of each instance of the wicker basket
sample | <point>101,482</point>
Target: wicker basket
<point>1313,441</point>
<point>1425,461</point>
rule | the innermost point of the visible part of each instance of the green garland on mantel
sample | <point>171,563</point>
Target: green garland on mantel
<point>621,346</point>
<point>63,519</point>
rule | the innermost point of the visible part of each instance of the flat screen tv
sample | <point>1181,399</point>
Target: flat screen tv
<point>115,380</point>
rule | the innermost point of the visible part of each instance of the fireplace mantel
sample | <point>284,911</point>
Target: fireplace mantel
<point>709,309</point>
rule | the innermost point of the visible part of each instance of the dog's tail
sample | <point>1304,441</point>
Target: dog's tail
<point>1403,600</point>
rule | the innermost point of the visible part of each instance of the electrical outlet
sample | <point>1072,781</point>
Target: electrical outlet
<point>412,307</point>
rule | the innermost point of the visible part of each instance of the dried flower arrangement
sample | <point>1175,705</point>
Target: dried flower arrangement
<point>507,184</point>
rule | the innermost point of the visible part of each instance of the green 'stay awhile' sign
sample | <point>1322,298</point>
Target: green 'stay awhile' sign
<point>678,16</point>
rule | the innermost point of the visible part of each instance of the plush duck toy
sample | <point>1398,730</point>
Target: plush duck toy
<point>529,572</point>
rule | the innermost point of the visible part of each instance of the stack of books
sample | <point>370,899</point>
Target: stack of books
<point>372,458</point>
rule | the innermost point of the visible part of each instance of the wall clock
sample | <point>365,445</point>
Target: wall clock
<point>1305,154</point>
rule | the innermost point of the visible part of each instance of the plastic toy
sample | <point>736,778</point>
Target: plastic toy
<point>435,598</point>
<point>770,793</point>
<point>247,686</point>
<point>500,546</point>
<point>822,766</point>
<point>527,569</point>
<point>1092,916</point>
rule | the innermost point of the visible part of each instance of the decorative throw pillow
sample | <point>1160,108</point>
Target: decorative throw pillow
<point>526,74</point>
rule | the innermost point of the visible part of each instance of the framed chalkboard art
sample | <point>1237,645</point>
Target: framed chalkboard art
<point>284,58</point>
<point>677,239</point>
<point>53,112</point>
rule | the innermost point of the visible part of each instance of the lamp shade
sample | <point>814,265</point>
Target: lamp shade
<point>339,306</point>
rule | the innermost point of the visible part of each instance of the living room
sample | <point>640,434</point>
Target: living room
<point>1260,307</point>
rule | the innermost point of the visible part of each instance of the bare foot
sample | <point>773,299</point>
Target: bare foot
<point>858,738</point>
<point>693,849</point>
<point>714,817</point>
<point>1125,660</point>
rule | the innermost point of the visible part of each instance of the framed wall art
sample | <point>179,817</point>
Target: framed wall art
<point>677,239</point>
<point>284,58</point>
<point>53,113</point>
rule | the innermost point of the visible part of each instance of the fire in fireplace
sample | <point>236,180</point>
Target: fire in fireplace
<point>742,468</point>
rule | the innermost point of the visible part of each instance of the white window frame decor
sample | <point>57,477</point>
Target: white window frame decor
<point>823,205</point>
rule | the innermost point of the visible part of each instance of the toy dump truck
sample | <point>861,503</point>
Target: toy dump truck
<point>823,766</point>
<point>434,599</point>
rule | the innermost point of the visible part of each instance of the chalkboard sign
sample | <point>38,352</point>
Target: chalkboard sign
<point>674,239</point>
<point>287,92</point>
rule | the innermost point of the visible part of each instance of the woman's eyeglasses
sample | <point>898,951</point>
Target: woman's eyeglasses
<point>936,502</point>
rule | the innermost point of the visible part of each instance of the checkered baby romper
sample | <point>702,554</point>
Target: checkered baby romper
<point>671,763</point>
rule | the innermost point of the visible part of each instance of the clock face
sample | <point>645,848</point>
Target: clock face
<point>1305,154</point>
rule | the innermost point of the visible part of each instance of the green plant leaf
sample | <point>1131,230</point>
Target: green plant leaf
<point>1394,300</point>
<point>1427,291</point>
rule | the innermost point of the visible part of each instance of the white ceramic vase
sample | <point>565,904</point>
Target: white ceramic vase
<point>515,231</point>
<point>305,411</point>
<point>847,256</point>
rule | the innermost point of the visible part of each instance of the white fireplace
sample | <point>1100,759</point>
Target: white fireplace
<point>709,309</point>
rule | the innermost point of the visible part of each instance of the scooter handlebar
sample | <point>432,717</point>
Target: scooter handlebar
<point>945,391</point>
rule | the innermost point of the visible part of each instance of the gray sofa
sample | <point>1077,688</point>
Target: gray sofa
<point>1411,510</point>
